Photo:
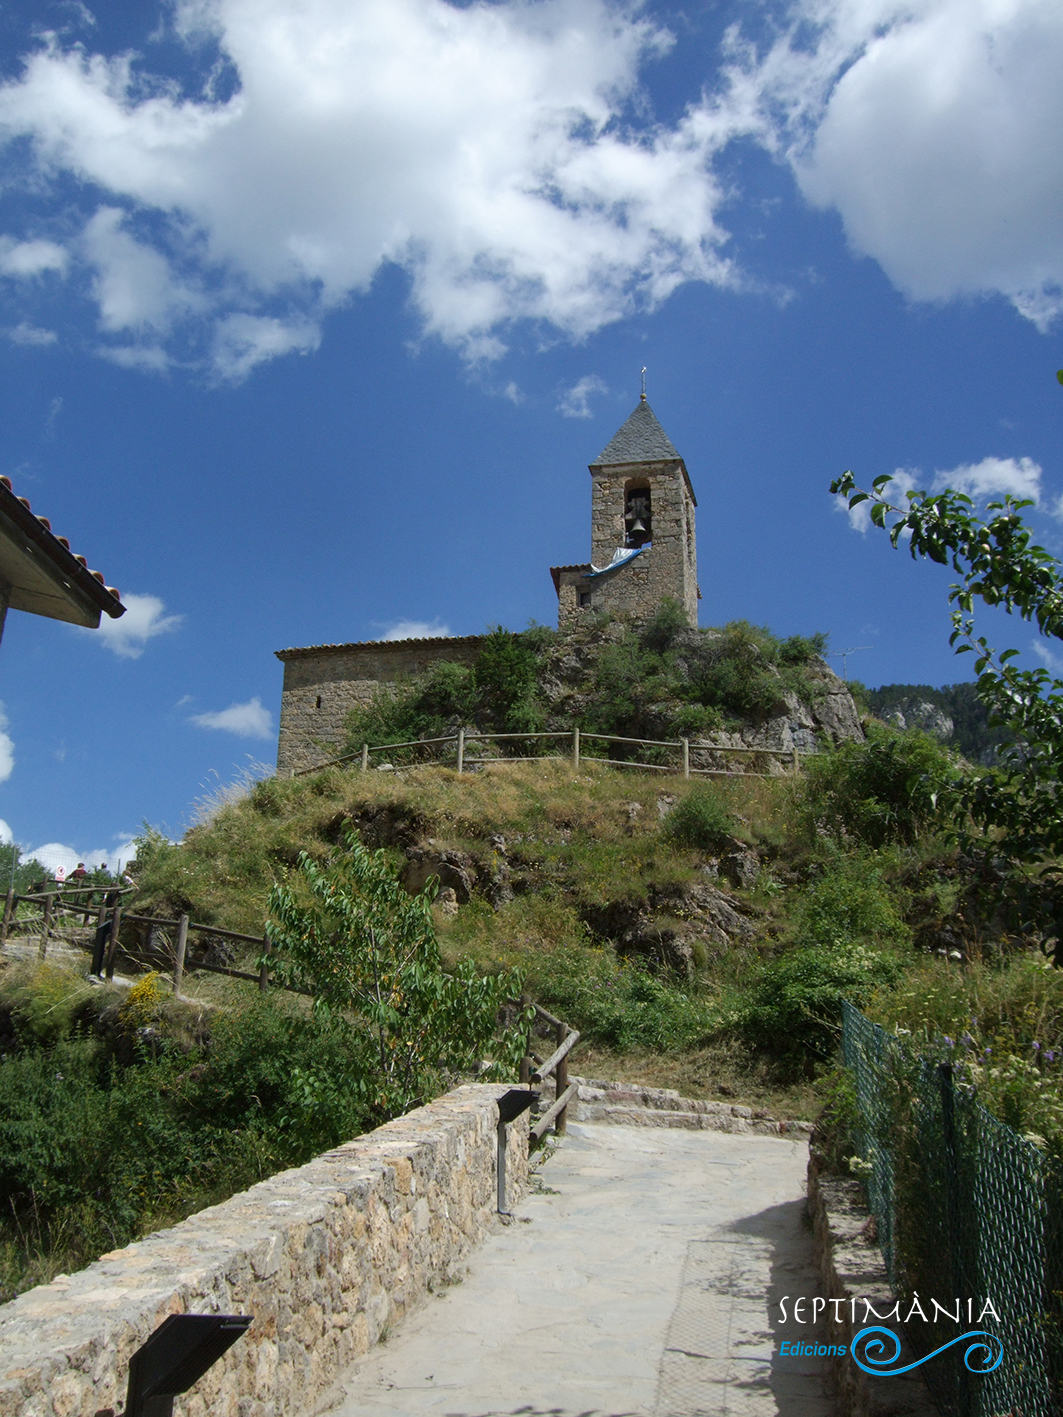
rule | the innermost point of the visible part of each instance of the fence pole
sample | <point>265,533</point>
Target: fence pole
<point>575,747</point>
<point>112,943</point>
<point>45,924</point>
<point>797,761</point>
<point>9,910</point>
<point>365,757</point>
<point>263,971</point>
<point>686,757</point>
<point>561,1079</point>
<point>179,959</point>
<point>461,750</point>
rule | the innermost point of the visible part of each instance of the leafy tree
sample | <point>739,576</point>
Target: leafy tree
<point>999,564</point>
<point>367,951</point>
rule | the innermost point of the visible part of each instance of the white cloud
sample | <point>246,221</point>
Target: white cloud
<point>242,341</point>
<point>7,749</point>
<point>248,720</point>
<point>134,286</point>
<point>29,335</point>
<point>30,258</point>
<point>993,477</point>
<point>481,147</point>
<point>989,479</point>
<point>575,402</point>
<point>1053,662</point>
<point>416,630</point>
<point>932,127</point>
<point>55,855</point>
<point>6,835</point>
<point>142,621</point>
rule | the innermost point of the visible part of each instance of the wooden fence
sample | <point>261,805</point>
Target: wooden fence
<point>80,903</point>
<point>576,737</point>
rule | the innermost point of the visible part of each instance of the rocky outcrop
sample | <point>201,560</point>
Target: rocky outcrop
<point>918,713</point>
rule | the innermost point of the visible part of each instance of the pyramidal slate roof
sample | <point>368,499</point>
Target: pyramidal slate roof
<point>642,439</point>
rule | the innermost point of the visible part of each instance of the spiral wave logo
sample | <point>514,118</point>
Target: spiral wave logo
<point>875,1356</point>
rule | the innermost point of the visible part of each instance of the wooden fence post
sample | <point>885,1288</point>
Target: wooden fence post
<point>9,910</point>
<point>45,924</point>
<point>686,756</point>
<point>112,943</point>
<point>461,750</point>
<point>179,959</point>
<point>797,761</point>
<point>365,757</point>
<point>561,1079</point>
<point>575,747</point>
<point>263,970</point>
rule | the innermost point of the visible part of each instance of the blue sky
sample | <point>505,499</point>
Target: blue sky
<point>313,312</point>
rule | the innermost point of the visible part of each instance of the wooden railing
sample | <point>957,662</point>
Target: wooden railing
<point>576,737</point>
<point>110,917</point>
<point>535,1069</point>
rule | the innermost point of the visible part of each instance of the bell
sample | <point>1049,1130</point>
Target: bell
<point>637,526</point>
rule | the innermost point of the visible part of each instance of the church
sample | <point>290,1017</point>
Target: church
<point>643,551</point>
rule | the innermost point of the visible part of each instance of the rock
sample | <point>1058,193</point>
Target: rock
<point>454,869</point>
<point>665,802</point>
<point>659,943</point>
<point>447,901</point>
<point>919,713</point>
<point>742,867</point>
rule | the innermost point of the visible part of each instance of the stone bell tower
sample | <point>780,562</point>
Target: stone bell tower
<point>642,530</point>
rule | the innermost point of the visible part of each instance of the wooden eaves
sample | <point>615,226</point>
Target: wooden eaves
<point>39,573</point>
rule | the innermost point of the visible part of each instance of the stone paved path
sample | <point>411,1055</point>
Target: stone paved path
<point>642,1280</point>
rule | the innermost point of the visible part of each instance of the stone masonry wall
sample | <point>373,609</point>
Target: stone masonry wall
<point>325,1258</point>
<point>323,684</point>
<point>667,568</point>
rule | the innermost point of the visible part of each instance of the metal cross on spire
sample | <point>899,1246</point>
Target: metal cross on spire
<point>643,384</point>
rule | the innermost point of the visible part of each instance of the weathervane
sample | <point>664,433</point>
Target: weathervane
<point>644,383</point>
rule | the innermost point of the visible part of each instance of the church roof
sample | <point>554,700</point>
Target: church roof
<point>642,439</point>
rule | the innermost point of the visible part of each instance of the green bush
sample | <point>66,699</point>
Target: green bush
<point>849,903</point>
<point>889,788</point>
<point>701,820</point>
<point>794,1005</point>
<point>619,1003</point>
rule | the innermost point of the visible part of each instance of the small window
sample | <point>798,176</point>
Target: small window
<point>584,599</point>
<point>319,701</point>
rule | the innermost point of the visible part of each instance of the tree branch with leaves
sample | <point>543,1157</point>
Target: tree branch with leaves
<point>999,564</point>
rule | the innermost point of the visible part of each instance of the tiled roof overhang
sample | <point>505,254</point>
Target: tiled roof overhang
<point>555,572</point>
<point>44,576</point>
<point>451,640</point>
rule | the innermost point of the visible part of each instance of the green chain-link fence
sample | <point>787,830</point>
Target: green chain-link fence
<point>966,1209</point>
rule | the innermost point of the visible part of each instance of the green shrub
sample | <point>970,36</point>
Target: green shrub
<point>849,903</point>
<point>794,1005</point>
<point>619,1003</point>
<point>887,789</point>
<point>701,820</point>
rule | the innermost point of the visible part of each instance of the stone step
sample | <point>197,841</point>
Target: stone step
<point>630,1105</point>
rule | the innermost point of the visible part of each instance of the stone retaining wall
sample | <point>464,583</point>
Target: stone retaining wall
<point>851,1266</point>
<point>325,1257</point>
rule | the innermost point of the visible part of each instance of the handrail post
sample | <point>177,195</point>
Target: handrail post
<point>263,971</point>
<point>561,1080</point>
<point>45,923</point>
<point>686,757</point>
<point>575,747</point>
<point>9,910</point>
<point>112,943</point>
<point>179,959</point>
<point>365,757</point>
<point>461,750</point>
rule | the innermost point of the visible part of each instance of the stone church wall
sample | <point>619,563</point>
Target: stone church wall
<point>324,682</point>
